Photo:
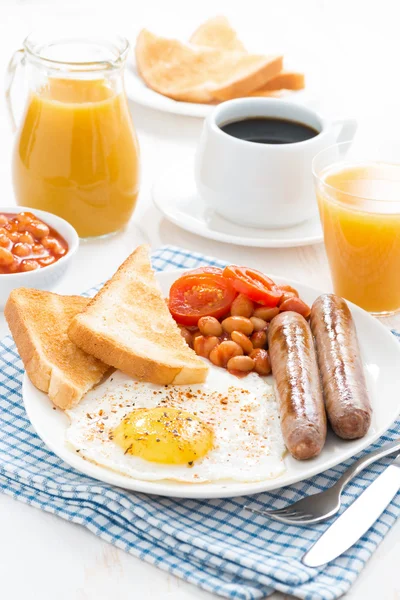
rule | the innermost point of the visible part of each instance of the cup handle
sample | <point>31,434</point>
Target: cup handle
<point>348,128</point>
<point>15,62</point>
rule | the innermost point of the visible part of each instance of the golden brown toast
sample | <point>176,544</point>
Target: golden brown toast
<point>39,321</point>
<point>217,33</point>
<point>128,326</point>
<point>269,94</point>
<point>192,73</point>
<point>285,80</point>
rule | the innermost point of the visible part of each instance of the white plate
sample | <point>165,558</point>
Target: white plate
<point>381,358</point>
<point>138,92</point>
<point>175,195</point>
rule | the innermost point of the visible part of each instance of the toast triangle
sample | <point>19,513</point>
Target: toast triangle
<point>192,73</point>
<point>39,321</point>
<point>217,33</point>
<point>128,326</point>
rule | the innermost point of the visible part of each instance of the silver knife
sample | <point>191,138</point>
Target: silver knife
<point>357,519</point>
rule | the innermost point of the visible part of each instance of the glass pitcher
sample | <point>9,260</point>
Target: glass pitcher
<point>76,153</point>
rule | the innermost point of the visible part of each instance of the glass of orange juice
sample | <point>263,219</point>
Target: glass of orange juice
<point>76,153</point>
<point>358,192</point>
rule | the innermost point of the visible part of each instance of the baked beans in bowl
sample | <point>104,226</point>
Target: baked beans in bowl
<point>36,248</point>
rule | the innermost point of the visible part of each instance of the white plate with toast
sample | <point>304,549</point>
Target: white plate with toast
<point>189,76</point>
<point>381,359</point>
<point>138,92</point>
<point>177,198</point>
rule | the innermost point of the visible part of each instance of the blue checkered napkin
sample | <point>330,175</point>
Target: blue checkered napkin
<point>214,544</point>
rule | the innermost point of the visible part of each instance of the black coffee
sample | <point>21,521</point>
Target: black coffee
<point>269,130</point>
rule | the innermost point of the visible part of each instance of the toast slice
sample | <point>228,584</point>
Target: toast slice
<point>39,321</point>
<point>128,326</point>
<point>217,33</point>
<point>192,73</point>
<point>285,80</point>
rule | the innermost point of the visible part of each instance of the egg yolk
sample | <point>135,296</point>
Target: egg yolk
<point>164,435</point>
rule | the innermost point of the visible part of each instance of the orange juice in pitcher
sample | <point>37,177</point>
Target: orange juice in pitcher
<point>76,152</point>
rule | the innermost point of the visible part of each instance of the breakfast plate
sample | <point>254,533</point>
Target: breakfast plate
<point>175,195</point>
<point>381,359</point>
<point>138,92</point>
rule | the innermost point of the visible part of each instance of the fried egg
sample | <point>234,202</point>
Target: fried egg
<point>226,429</point>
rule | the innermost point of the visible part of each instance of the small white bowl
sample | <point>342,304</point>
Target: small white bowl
<point>46,277</point>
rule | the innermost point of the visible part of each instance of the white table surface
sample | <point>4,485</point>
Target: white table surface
<point>351,50</point>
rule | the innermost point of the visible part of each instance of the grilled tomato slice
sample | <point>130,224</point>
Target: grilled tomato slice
<point>200,294</point>
<point>254,284</point>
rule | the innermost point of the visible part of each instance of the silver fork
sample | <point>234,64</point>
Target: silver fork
<point>322,506</point>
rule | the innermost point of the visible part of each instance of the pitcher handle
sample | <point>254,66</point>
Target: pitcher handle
<point>13,65</point>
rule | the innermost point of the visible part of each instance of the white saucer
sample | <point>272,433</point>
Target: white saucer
<point>176,196</point>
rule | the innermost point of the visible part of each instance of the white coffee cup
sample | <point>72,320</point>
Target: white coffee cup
<point>262,185</point>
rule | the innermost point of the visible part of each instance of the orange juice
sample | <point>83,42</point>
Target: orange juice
<point>360,213</point>
<point>77,155</point>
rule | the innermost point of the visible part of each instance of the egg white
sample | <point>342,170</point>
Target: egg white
<point>248,444</point>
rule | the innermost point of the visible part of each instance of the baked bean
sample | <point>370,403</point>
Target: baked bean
<point>296,305</point>
<point>210,326</point>
<point>286,296</point>
<point>26,238</point>
<point>187,336</point>
<point>220,355</point>
<point>22,222</point>
<point>6,258</point>
<point>13,268</point>
<point>259,339</point>
<point>203,345</point>
<point>39,249</point>
<point>52,244</point>
<point>240,363</point>
<point>236,323</point>
<point>259,324</point>
<point>29,265</point>
<point>24,218</point>
<point>13,236</point>
<point>20,249</point>
<point>266,313</point>
<point>3,220</point>
<point>242,306</point>
<point>262,364</point>
<point>4,241</point>
<point>39,230</point>
<point>243,341</point>
<point>289,288</point>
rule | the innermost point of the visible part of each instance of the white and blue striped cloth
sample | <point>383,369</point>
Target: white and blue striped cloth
<point>214,544</point>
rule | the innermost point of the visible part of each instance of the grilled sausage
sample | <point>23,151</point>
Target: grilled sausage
<point>294,366</point>
<point>343,381</point>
